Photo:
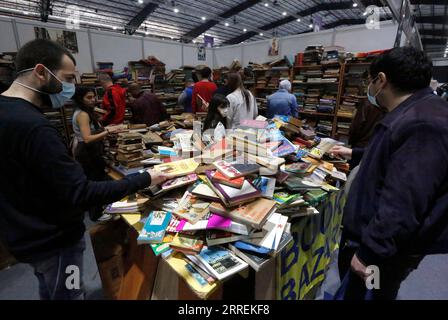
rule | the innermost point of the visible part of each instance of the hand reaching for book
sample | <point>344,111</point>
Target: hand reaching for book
<point>158,177</point>
<point>115,128</point>
<point>341,151</point>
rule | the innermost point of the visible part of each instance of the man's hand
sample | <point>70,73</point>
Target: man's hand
<point>341,151</point>
<point>158,177</point>
<point>359,268</point>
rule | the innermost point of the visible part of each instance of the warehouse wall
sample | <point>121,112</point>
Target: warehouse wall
<point>110,46</point>
<point>354,39</point>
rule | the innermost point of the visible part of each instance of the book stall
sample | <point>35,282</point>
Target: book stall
<point>251,212</point>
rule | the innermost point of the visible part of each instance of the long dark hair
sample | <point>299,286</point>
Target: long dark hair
<point>78,97</point>
<point>235,82</point>
<point>213,114</point>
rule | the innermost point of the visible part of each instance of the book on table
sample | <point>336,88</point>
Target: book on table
<point>188,244</point>
<point>155,227</point>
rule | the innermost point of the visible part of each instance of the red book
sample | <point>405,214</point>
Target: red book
<point>220,178</point>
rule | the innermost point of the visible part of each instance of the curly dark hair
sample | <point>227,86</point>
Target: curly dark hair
<point>406,68</point>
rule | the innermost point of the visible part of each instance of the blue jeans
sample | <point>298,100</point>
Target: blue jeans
<point>60,276</point>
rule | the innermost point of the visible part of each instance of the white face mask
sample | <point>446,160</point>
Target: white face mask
<point>372,98</point>
<point>223,111</point>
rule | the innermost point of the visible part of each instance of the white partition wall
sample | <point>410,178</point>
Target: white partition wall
<point>117,48</point>
<point>169,52</point>
<point>191,56</point>
<point>226,55</point>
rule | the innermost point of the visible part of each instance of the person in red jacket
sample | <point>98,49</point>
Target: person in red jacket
<point>203,91</point>
<point>114,101</point>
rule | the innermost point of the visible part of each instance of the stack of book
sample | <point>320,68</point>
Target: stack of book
<point>327,104</point>
<point>314,75</point>
<point>331,75</point>
<point>313,55</point>
<point>130,150</point>
<point>348,106</point>
<point>105,67</point>
<point>333,54</point>
<point>324,128</point>
<point>89,79</point>
<point>311,100</point>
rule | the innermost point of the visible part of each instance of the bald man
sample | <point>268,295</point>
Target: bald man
<point>146,107</point>
<point>282,102</point>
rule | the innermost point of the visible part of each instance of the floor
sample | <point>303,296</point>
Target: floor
<point>429,281</point>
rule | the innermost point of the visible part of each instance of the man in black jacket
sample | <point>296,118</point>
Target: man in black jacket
<point>43,191</point>
<point>397,207</point>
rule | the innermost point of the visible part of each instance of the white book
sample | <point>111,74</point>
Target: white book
<point>231,192</point>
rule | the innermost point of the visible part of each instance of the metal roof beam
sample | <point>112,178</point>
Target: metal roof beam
<point>307,12</point>
<point>213,22</point>
<point>140,17</point>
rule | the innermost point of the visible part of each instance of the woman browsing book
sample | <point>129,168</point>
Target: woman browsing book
<point>243,105</point>
<point>88,141</point>
<point>217,112</point>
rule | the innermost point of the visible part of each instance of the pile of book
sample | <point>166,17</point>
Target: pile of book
<point>324,128</point>
<point>313,55</point>
<point>327,104</point>
<point>230,203</point>
<point>349,104</point>
<point>314,75</point>
<point>331,75</point>
<point>176,79</point>
<point>311,100</point>
<point>105,67</point>
<point>333,54</point>
<point>89,79</point>
<point>130,150</point>
<point>140,71</point>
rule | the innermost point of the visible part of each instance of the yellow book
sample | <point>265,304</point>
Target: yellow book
<point>178,168</point>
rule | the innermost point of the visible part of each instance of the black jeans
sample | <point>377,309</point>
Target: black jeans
<point>391,274</point>
<point>60,276</point>
<point>89,155</point>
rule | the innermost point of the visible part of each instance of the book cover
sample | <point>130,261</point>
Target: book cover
<point>286,148</point>
<point>222,263</point>
<point>191,208</point>
<point>254,213</point>
<point>217,237</point>
<point>204,191</point>
<point>253,259</point>
<point>220,178</point>
<point>266,186</point>
<point>179,182</point>
<point>178,168</point>
<point>159,248</point>
<point>227,169</point>
<point>235,196</point>
<point>187,243</point>
<point>298,167</point>
<point>209,221</point>
<point>154,228</point>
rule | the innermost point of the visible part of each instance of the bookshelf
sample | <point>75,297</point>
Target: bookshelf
<point>318,90</point>
<point>353,94</point>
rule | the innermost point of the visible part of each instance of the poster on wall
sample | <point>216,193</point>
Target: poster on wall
<point>209,41</point>
<point>273,49</point>
<point>65,38</point>
<point>201,52</point>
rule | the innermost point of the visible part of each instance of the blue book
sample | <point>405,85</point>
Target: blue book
<point>284,149</point>
<point>154,229</point>
<point>251,247</point>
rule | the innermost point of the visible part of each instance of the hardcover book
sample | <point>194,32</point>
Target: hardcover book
<point>220,178</point>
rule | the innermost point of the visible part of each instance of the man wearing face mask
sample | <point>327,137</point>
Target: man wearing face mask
<point>396,210</point>
<point>43,191</point>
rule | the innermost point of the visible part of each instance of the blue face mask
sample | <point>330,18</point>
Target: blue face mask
<point>372,99</point>
<point>57,99</point>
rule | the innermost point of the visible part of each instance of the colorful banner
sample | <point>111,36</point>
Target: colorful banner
<point>302,265</point>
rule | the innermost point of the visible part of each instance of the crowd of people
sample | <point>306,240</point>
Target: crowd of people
<point>396,208</point>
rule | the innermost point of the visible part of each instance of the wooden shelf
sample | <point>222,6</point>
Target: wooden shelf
<point>318,66</point>
<point>307,83</point>
<point>311,113</point>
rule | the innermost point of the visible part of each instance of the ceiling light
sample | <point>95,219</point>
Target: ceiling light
<point>25,12</point>
<point>226,24</point>
<point>266,4</point>
<point>284,13</point>
<point>140,1</point>
<point>194,41</point>
<point>311,25</point>
<point>176,10</point>
<point>244,30</point>
<point>355,5</point>
<point>171,38</point>
<point>146,32</point>
<point>298,20</point>
<point>114,27</point>
<point>203,18</point>
<point>365,13</point>
<point>261,34</point>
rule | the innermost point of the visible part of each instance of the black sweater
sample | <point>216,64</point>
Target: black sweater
<point>43,191</point>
